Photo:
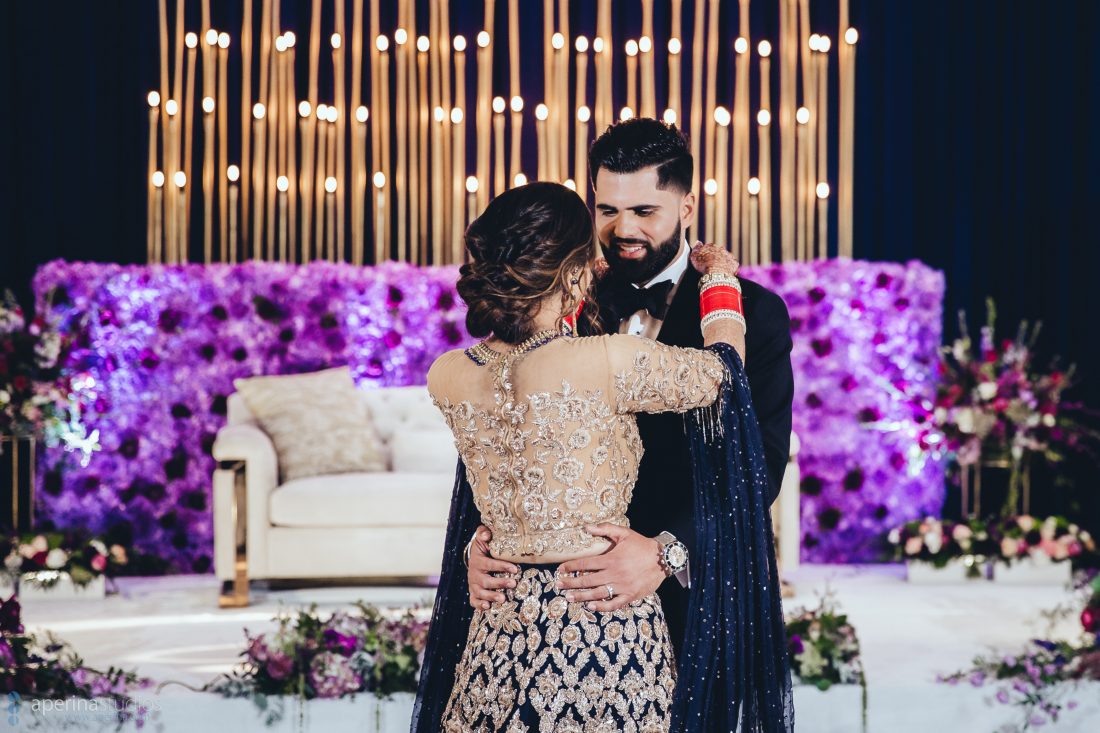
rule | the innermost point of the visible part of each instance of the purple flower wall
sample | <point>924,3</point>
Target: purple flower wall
<point>866,337</point>
<point>164,343</point>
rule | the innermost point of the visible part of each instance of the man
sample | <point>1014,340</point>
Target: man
<point>641,172</point>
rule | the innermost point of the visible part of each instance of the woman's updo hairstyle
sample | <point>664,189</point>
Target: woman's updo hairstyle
<point>522,249</point>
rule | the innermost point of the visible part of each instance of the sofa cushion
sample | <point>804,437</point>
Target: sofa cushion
<point>429,450</point>
<point>318,423</point>
<point>364,500</point>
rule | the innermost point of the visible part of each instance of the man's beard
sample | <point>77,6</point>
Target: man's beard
<point>656,258</point>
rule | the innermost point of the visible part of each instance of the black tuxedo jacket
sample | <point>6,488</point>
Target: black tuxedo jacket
<point>663,496</point>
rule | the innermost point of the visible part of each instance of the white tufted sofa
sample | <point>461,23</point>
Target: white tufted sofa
<point>355,525</point>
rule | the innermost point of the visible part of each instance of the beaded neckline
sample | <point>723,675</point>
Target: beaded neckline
<point>481,354</point>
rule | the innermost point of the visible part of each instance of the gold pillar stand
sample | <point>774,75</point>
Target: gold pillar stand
<point>237,595</point>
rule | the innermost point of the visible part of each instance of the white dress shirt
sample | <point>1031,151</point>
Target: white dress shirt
<point>642,323</point>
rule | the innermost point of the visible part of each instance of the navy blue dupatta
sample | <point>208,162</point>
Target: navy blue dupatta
<point>733,673</point>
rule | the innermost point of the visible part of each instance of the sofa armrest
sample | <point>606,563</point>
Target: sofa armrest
<point>253,446</point>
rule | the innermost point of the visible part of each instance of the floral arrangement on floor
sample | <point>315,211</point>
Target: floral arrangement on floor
<point>824,649</point>
<point>1040,677</point>
<point>993,402</point>
<point>36,398</point>
<point>976,541</point>
<point>36,667</point>
<point>309,656</point>
<point>43,558</point>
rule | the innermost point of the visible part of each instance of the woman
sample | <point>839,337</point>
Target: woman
<point>543,421</point>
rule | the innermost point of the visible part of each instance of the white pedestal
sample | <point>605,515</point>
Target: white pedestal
<point>954,572</point>
<point>1035,569</point>
<point>836,710</point>
<point>63,590</point>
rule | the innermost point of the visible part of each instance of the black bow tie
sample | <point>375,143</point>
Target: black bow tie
<point>654,299</point>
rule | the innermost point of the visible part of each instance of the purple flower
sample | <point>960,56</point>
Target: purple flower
<point>1002,697</point>
<point>279,666</point>
<point>331,675</point>
<point>341,643</point>
<point>795,643</point>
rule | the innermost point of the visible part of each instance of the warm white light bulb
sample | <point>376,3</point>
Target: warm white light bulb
<point>517,104</point>
<point>362,114</point>
<point>322,111</point>
<point>802,116</point>
<point>400,36</point>
<point>597,45</point>
<point>813,41</point>
<point>824,44</point>
<point>582,44</point>
<point>763,118</point>
<point>332,114</point>
<point>304,109</point>
<point>471,184</point>
<point>282,183</point>
<point>584,114</point>
<point>631,47</point>
<point>460,43</point>
<point>291,39</point>
<point>211,37</point>
<point>330,184</point>
<point>541,112</point>
<point>335,40</point>
<point>710,187</point>
<point>483,39</point>
<point>258,110</point>
<point>570,184</point>
<point>154,99</point>
<point>280,44</point>
<point>754,186</point>
<point>722,116</point>
<point>423,44</point>
<point>456,116</point>
<point>223,40</point>
<point>158,179</point>
<point>379,179</point>
<point>674,46</point>
<point>823,190</point>
<point>519,180</point>
<point>382,43</point>
<point>191,40</point>
<point>233,173</point>
<point>440,114</point>
<point>669,116</point>
<point>172,107</point>
<point>626,113</point>
<point>180,179</point>
<point>645,44</point>
<point>499,105</point>
<point>851,36</point>
<point>207,104</point>
<point>764,48</point>
<point>741,45</point>
<point>558,41</point>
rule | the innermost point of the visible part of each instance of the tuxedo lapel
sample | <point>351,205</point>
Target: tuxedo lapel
<point>681,324</point>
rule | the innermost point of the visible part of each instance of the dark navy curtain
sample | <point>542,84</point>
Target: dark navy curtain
<point>976,125</point>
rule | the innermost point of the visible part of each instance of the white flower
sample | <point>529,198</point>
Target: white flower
<point>987,390</point>
<point>934,541</point>
<point>894,537</point>
<point>1026,522</point>
<point>4,397</point>
<point>99,546</point>
<point>1009,547</point>
<point>39,544</point>
<point>1049,420</point>
<point>913,545</point>
<point>964,418</point>
<point>56,558</point>
<point>961,532</point>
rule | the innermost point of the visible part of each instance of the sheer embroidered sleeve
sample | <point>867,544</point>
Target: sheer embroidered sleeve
<point>647,376</point>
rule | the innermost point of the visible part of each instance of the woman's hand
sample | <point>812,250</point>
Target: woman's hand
<point>484,586</point>
<point>712,258</point>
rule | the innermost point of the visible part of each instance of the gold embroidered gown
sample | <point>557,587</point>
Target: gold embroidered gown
<point>550,444</point>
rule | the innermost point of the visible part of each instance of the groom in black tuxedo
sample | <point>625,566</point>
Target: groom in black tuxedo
<point>641,172</point>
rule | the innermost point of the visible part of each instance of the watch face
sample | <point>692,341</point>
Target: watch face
<point>676,555</point>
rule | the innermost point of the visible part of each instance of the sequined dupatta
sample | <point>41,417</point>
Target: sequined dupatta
<point>733,672</point>
<point>452,614</point>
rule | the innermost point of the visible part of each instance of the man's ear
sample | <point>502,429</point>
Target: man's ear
<point>687,210</point>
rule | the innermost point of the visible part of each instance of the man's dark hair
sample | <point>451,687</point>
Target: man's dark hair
<point>641,142</point>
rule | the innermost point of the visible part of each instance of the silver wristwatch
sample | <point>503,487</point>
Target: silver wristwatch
<point>673,556</point>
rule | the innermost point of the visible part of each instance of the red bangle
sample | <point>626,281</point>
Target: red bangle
<point>721,298</point>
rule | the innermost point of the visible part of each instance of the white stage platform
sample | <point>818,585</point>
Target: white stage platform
<point>171,629</point>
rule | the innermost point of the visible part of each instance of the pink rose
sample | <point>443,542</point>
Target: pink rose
<point>913,545</point>
<point>1009,547</point>
<point>99,563</point>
